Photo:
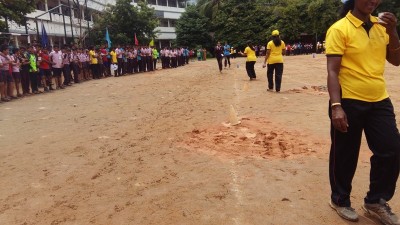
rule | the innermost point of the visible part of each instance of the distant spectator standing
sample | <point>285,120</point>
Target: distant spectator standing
<point>227,55</point>
<point>219,54</point>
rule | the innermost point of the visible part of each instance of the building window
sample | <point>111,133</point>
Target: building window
<point>162,2</point>
<point>40,6</point>
<point>163,23</point>
<point>152,2</point>
<point>165,43</point>
<point>159,14</point>
<point>88,14</point>
<point>182,3</point>
<point>172,3</point>
<point>52,5</point>
<point>77,13</point>
<point>172,23</point>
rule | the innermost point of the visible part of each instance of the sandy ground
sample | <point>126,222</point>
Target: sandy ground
<point>157,148</point>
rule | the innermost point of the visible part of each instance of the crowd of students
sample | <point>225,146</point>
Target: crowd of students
<point>35,70</point>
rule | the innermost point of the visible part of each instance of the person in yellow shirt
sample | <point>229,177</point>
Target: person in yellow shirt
<point>114,62</point>
<point>275,50</point>
<point>357,48</point>
<point>250,53</point>
<point>94,66</point>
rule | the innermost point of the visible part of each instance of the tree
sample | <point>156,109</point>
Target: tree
<point>16,11</point>
<point>237,21</point>
<point>123,21</point>
<point>192,29</point>
<point>209,8</point>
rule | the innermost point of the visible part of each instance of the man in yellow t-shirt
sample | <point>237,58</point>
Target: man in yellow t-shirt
<point>275,50</point>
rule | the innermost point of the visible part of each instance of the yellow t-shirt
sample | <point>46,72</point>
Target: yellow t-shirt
<point>93,59</point>
<point>251,55</point>
<point>113,57</point>
<point>276,52</point>
<point>363,58</point>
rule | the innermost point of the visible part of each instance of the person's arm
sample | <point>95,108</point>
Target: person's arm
<point>284,48</point>
<point>243,53</point>
<point>339,118</point>
<point>266,57</point>
<point>393,48</point>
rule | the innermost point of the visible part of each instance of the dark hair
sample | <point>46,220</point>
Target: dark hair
<point>277,40</point>
<point>250,45</point>
<point>349,5</point>
<point>3,47</point>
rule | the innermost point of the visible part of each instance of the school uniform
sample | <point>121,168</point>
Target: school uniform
<point>219,54</point>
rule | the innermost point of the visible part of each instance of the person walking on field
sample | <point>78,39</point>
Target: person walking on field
<point>227,55</point>
<point>250,53</point>
<point>274,57</point>
<point>357,48</point>
<point>219,54</point>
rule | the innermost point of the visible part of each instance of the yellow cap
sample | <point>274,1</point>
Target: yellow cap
<point>275,33</point>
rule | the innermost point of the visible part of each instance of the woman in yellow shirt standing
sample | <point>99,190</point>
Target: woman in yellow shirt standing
<point>357,49</point>
<point>274,57</point>
<point>114,62</point>
<point>250,52</point>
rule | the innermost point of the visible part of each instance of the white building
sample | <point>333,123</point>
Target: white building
<point>57,22</point>
<point>168,11</point>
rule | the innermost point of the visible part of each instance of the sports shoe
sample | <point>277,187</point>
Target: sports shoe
<point>382,211</point>
<point>347,213</point>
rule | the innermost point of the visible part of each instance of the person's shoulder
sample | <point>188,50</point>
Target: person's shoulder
<point>338,25</point>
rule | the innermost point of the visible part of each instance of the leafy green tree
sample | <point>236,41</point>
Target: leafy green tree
<point>16,11</point>
<point>237,21</point>
<point>123,21</point>
<point>209,8</point>
<point>192,29</point>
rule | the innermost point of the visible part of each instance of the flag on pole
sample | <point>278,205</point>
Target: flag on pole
<point>45,39</point>
<point>108,38</point>
<point>151,44</point>
<point>136,41</point>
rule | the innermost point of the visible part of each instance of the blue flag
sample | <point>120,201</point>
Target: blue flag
<point>108,38</point>
<point>45,39</point>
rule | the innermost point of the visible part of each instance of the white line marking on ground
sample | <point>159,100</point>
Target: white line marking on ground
<point>237,192</point>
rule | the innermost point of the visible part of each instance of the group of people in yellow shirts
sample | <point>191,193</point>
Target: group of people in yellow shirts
<point>273,61</point>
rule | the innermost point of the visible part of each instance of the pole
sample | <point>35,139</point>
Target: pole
<point>65,29</point>
<point>70,19</point>
<point>26,25</point>
<point>26,30</point>
<point>37,32</point>
<point>316,41</point>
<point>7,28</point>
<point>88,28</point>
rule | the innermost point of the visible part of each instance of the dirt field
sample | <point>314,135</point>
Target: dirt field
<point>157,148</point>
